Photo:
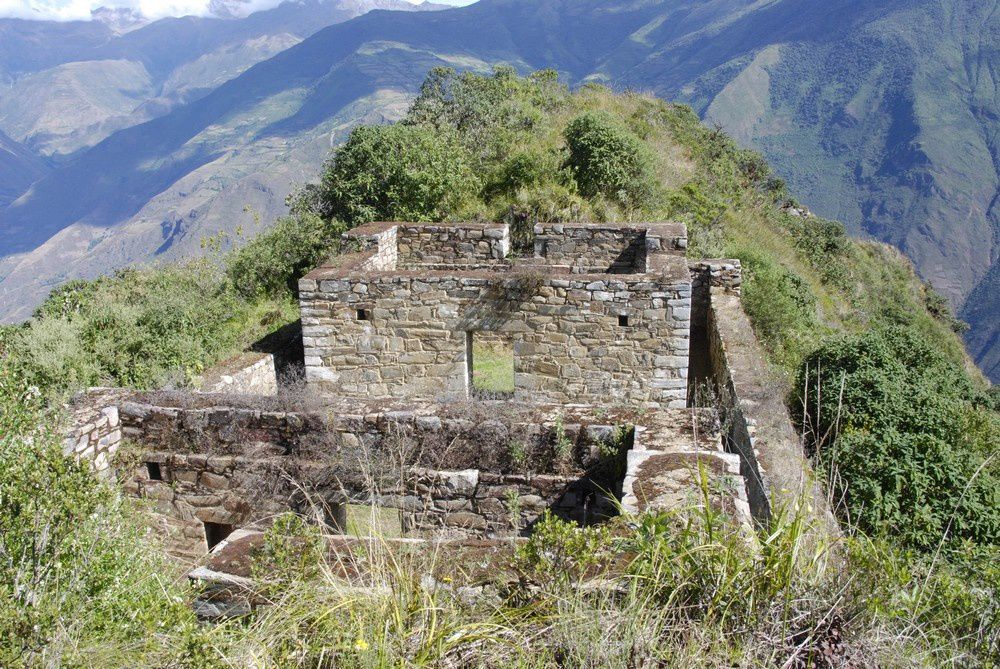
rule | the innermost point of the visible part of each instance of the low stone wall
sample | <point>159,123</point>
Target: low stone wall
<point>475,503</point>
<point>199,461</point>
<point>452,244</point>
<point>600,248</point>
<point>674,456</point>
<point>756,423</point>
<point>246,374</point>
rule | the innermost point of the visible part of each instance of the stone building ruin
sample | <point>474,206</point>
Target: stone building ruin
<point>599,315</point>
<point>611,330</point>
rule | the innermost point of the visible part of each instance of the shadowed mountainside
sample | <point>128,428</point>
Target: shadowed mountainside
<point>18,169</point>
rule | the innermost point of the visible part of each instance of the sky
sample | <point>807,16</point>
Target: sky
<point>71,10</point>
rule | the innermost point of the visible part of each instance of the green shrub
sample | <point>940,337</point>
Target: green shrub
<point>273,262</point>
<point>903,431</point>
<point>561,553</point>
<point>607,159</point>
<point>292,551</point>
<point>490,115</point>
<point>824,243</point>
<point>523,170</point>
<point>139,328</point>
<point>80,585</point>
<point>395,173</point>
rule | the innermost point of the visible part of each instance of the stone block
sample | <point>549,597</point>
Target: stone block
<point>461,482</point>
<point>465,520</point>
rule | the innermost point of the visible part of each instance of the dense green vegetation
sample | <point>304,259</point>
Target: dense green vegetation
<point>910,442</point>
<point>142,328</point>
<point>903,430</point>
<point>81,584</point>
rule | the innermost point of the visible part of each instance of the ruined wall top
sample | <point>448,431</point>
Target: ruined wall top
<point>484,250</point>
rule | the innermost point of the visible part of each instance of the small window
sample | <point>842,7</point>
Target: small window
<point>216,533</point>
<point>363,315</point>
<point>623,320</point>
<point>154,471</point>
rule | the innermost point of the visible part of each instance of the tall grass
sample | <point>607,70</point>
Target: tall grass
<point>684,589</point>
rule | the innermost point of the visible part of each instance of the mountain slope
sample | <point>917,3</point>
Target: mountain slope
<point>884,115</point>
<point>65,99</point>
<point>18,169</point>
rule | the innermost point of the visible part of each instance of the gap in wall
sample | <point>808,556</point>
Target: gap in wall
<point>490,365</point>
<point>216,533</point>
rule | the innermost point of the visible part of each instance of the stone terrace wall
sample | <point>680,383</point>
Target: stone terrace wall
<point>246,374</point>
<point>451,244</point>
<point>601,248</point>
<point>95,428</point>
<point>476,503</point>
<point>757,424</point>
<point>589,339</point>
<point>201,462</point>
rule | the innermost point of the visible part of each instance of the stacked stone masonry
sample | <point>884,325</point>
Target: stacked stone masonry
<point>239,466</point>
<point>246,374</point>
<point>611,330</point>
<point>95,429</point>
<point>577,337</point>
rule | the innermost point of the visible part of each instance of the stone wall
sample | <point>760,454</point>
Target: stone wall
<point>377,246</point>
<point>756,422</point>
<point>95,428</point>
<point>247,374</point>
<point>199,460</point>
<point>599,248</point>
<point>372,328</point>
<point>451,244</point>
<point>581,338</point>
<point>725,274</point>
<point>477,503</point>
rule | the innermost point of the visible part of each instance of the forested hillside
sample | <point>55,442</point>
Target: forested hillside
<point>906,450</point>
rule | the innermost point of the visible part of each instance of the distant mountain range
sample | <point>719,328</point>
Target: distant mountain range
<point>883,115</point>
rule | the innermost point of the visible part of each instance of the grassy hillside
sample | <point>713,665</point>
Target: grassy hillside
<point>521,150</point>
<point>73,106</point>
<point>865,122</point>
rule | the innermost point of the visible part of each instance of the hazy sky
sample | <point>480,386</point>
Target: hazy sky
<point>68,10</point>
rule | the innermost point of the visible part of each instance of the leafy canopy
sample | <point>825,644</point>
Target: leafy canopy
<point>608,160</point>
<point>395,173</point>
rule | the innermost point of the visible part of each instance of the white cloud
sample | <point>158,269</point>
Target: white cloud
<point>80,10</point>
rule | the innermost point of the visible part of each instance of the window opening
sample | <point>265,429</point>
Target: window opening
<point>216,533</point>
